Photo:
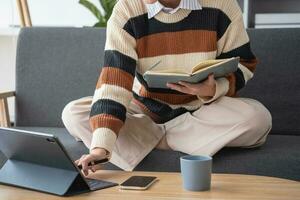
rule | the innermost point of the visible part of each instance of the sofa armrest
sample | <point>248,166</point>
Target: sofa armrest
<point>4,112</point>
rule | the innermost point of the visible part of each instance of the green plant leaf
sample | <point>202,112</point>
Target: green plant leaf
<point>111,4</point>
<point>107,6</point>
<point>100,24</point>
<point>104,5</point>
<point>90,6</point>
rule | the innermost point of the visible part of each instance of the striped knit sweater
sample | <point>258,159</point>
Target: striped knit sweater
<point>134,43</point>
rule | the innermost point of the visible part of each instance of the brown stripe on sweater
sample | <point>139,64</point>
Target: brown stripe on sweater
<point>174,99</point>
<point>232,88</point>
<point>106,121</point>
<point>115,76</point>
<point>250,64</point>
<point>180,42</point>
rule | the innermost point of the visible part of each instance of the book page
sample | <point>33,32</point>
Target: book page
<point>202,65</point>
<point>169,71</point>
<point>217,64</point>
<point>205,64</point>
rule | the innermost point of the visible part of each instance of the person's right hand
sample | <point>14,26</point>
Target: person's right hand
<point>95,154</point>
<point>204,89</point>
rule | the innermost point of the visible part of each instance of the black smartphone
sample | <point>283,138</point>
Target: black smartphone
<point>138,183</point>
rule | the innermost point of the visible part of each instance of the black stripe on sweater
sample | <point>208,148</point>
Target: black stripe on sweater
<point>106,106</point>
<point>243,52</point>
<point>211,19</point>
<point>116,59</point>
<point>239,80</point>
<point>165,112</point>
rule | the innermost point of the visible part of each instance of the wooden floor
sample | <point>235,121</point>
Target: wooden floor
<point>169,186</point>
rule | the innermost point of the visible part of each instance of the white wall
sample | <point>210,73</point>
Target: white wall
<point>6,12</point>
<point>48,13</point>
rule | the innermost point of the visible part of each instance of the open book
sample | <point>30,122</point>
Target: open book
<point>198,73</point>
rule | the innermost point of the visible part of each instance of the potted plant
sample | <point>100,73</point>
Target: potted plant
<point>101,15</point>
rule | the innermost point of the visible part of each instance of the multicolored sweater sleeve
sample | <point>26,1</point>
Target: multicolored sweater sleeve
<point>235,43</point>
<point>114,88</point>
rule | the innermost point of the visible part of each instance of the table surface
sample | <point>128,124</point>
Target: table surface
<point>169,186</point>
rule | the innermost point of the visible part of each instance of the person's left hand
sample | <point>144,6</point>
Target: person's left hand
<point>206,88</point>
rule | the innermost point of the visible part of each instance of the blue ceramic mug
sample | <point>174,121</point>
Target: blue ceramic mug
<point>196,172</point>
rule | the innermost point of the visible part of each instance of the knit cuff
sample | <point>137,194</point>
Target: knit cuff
<point>103,138</point>
<point>222,87</point>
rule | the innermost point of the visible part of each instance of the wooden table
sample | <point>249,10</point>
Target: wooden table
<point>224,186</point>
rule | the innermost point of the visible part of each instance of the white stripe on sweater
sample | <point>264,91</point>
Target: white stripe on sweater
<point>113,92</point>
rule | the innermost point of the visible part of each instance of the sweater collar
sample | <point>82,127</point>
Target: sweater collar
<point>157,7</point>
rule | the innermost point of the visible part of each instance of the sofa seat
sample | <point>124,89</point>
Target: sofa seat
<point>279,157</point>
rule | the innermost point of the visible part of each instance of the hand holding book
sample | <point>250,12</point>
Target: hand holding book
<point>205,89</point>
<point>196,74</point>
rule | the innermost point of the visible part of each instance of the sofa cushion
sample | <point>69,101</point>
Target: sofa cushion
<point>279,157</point>
<point>53,67</point>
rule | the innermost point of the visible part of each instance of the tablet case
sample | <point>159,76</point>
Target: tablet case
<point>39,162</point>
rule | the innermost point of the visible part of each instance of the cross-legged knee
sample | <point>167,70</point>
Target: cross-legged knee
<point>256,125</point>
<point>70,118</point>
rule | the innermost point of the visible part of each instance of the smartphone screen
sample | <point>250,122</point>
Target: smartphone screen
<point>138,182</point>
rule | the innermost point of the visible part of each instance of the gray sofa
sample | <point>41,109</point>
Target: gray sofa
<point>57,65</point>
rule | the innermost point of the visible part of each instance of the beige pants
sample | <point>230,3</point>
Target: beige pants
<point>230,122</point>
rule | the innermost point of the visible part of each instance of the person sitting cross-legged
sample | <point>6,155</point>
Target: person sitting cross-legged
<point>125,119</point>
